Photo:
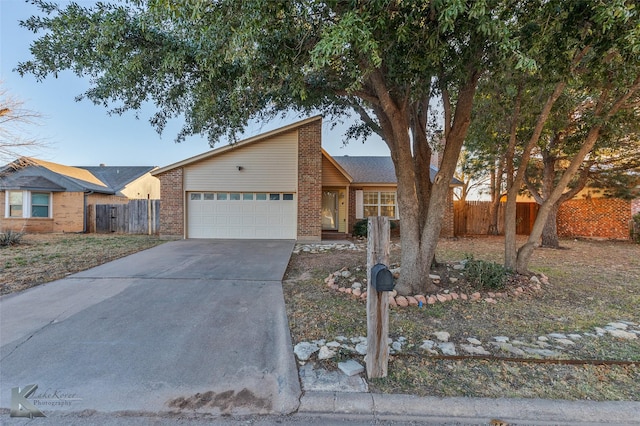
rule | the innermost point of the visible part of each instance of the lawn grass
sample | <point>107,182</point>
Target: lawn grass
<point>43,258</point>
<point>592,283</point>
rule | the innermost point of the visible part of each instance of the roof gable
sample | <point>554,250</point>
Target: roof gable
<point>34,174</point>
<point>69,171</point>
<point>237,145</point>
<point>117,177</point>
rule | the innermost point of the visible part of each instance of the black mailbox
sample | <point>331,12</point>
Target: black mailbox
<point>381,278</point>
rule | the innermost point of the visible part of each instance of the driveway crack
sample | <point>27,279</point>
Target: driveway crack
<point>38,331</point>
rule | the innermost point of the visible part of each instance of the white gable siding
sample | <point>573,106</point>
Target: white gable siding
<point>269,165</point>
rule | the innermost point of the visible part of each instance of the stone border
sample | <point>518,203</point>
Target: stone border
<point>419,300</point>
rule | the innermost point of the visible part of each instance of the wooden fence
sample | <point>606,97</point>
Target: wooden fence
<point>136,217</point>
<point>473,217</point>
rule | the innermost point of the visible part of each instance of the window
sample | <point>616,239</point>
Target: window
<point>274,197</point>
<point>39,204</point>
<point>209,196</point>
<point>247,196</point>
<point>15,203</point>
<point>234,196</point>
<point>261,197</point>
<point>196,196</point>
<point>287,197</point>
<point>28,204</point>
<point>379,203</point>
<point>221,196</point>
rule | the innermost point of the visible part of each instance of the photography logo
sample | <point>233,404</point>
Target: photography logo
<point>21,406</point>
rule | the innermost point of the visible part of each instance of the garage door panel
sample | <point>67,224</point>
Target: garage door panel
<point>244,218</point>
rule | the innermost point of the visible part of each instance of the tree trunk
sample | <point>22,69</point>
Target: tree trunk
<point>493,217</point>
<point>550,230</point>
<point>510,245</point>
<point>421,207</point>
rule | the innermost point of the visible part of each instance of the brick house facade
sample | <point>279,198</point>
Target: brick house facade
<point>172,209</point>
<point>309,180</point>
<point>38,196</point>
<point>278,185</point>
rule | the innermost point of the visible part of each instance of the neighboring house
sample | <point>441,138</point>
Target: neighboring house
<point>278,185</point>
<point>591,213</point>
<point>39,196</point>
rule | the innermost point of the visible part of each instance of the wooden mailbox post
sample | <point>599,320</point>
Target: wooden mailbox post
<point>377,358</point>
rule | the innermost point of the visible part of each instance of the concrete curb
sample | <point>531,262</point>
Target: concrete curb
<point>473,410</point>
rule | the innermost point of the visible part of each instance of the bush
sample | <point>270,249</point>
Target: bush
<point>635,228</point>
<point>360,227</point>
<point>10,238</point>
<point>485,274</point>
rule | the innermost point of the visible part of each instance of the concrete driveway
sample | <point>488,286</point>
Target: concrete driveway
<point>192,325</point>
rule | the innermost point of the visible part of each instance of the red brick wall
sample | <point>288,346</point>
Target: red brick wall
<point>172,204</point>
<point>447,230</point>
<point>310,181</point>
<point>596,217</point>
<point>635,206</point>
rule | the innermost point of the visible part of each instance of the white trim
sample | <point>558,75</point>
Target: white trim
<point>26,204</point>
<point>359,204</point>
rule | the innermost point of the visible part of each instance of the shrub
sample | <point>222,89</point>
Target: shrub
<point>486,274</point>
<point>10,238</point>
<point>360,227</point>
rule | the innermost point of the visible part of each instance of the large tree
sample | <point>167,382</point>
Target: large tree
<point>611,165</point>
<point>589,79</point>
<point>220,64</point>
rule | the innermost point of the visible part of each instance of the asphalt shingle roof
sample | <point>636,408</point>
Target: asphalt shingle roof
<point>34,183</point>
<point>117,177</point>
<point>375,169</point>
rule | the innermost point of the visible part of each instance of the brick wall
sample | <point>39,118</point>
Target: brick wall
<point>635,206</point>
<point>172,204</point>
<point>68,215</point>
<point>310,181</point>
<point>106,199</point>
<point>68,212</point>
<point>596,217</point>
<point>447,230</point>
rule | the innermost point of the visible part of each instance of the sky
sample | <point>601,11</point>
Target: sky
<point>84,134</point>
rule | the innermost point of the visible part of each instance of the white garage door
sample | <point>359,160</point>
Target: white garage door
<point>245,215</point>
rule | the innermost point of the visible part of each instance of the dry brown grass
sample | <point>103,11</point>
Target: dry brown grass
<point>43,258</point>
<point>592,283</point>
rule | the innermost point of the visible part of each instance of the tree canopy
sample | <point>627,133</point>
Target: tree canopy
<point>221,63</point>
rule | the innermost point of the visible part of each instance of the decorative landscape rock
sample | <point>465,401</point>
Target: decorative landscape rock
<point>304,350</point>
<point>475,350</point>
<point>326,353</point>
<point>448,348</point>
<point>443,336</point>
<point>533,347</point>
<point>427,344</point>
<point>351,367</point>
<point>361,348</point>
<point>622,334</point>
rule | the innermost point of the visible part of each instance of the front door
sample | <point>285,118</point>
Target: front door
<point>330,210</point>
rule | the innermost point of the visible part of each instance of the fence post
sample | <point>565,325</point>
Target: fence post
<point>377,358</point>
